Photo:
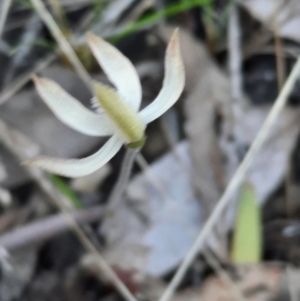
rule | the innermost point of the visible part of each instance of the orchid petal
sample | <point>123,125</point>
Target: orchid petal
<point>74,168</point>
<point>70,111</point>
<point>173,82</point>
<point>118,69</point>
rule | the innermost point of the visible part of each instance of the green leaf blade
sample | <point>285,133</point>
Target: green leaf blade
<point>247,239</point>
<point>61,185</point>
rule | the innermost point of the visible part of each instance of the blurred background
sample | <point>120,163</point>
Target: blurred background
<point>238,55</point>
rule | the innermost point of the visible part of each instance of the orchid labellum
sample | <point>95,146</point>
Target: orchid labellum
<point>120,116</point>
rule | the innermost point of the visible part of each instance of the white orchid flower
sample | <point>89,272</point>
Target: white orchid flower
<point>121,117</point>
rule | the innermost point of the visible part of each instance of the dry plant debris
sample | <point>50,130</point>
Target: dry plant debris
<point>151,230</point>
<point>146,234</point>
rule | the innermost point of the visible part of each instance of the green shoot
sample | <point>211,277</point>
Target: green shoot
<point>61,185</point>
<point>155,17</point>
<point>247,239</point>
<point>25,3</point>
<point>97,8</point>
<point>42,43</point>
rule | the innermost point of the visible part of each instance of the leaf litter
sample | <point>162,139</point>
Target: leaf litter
<point>150,230</point>
<point>139,244</point>
<point>153,228</point>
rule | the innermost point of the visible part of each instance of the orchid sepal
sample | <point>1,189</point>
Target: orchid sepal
<point>118,69</point>
<point>173,83</point>
<point>117,111</point>
<point>70,111</point>
<point>74,168</point>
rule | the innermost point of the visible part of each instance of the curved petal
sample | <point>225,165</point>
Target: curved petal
<point>118,69</point>
<point>173,82</point>
<point>70,111</point>
<point>74,168</point>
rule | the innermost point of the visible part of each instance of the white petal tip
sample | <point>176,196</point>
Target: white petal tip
<point>74,168</point>
<point>174,45</point>
<point>52,165</point>
<point>34,77</point>
<point>42,83</point>
<point>70,111</point>
<point>173,84</point>
<point>25,163</point>
<point>175,33</point>
<point>33,161</point>
<point>94,40</point>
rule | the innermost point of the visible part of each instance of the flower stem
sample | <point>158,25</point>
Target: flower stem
<point>124,176</point>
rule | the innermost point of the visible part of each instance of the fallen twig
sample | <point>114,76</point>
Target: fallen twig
<point>3,14</point>
<point>235,60</point>
<point>47,228</point>
<point>10,138</point>
<point>235,182</point>
<point>22,80</point>
<point>62,42</point>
